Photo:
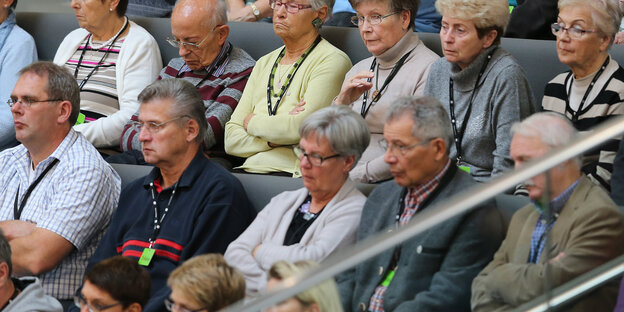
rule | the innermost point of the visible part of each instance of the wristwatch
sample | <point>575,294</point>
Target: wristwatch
<point>255,11</point>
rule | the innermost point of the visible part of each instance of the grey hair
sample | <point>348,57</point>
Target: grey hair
<point>220,14</point>
<point>5,252</point>
<point>430,118</point>
<point>61,85</point>
<point>551,128</point>
<point>606,14</point>
<point>395,6</point>
<point>317,4</point>
<point>485,14</point>
<point>186,98</point>
<point>346,130</point>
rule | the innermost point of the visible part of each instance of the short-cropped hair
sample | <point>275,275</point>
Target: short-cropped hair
<point>395,6</point>
<point>209,281</point>
<point>123,279</point>
<point>324,294</point>
<point>606,14</point>
<point>5,252</point>
<point>487,15</point>
<point>551,128</point>
<point>429,116</point>
<point>317,4</point>
<point>61,84</point>
<point>186,101</point>
<point>345,130</point>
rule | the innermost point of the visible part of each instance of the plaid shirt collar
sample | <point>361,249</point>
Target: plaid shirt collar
<point>416,195</point>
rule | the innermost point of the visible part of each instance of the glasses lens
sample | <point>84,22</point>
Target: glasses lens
<point>575,32</point>
<point>298,151</point>
<point>355,20</point>
<point>173,43</point>
<point>292,8</point>
<point>384,144</point>
<point>375,19</point>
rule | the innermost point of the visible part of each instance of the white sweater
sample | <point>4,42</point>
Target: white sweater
<point>138,65</point>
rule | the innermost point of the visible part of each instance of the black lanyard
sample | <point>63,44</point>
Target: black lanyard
<point>17,211</point>
<point>459,135</point>
<point>575,114</point>
<point>158,221</point>
<point>377,93</point>
<point>289,78</point>
<point>84,81</point>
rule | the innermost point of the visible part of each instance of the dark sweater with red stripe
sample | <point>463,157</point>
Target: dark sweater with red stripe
<point>220,94</point>
<point>209,210</point>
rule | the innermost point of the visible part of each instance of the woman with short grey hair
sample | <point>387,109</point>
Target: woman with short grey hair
<point>592,91</point>
<point>481,85</point>
<point>318,219</point>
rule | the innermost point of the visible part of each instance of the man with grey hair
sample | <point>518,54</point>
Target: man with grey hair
<point>433,270</point>
<point>187,205</point>
<point>213,65</point>
<point>585,226</point>
<point>57,194</point>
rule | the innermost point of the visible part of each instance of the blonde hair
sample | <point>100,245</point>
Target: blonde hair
<point>606,14</point>
<point>485,14</point>
<point>209,281</point>
<point>325,294</point>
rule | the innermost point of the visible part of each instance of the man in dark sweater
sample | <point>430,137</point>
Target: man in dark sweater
<point>433,270</point>
<point>213,65</point>
<point>188,205</point>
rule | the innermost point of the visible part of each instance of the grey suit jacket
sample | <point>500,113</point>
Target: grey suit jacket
<point>436,268</point>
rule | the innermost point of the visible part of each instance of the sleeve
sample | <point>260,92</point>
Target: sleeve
<point>338,230</point>
<point>142,63</point>
<point>472,248</point>
<point>373,170</point>
<point>323,85</point>
<point>130,134</point>
<point>512,101</point>
<point>595,238</point>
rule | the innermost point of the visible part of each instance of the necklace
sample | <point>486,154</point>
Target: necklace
<point>293,71</point>
<point>575,114</point>
<point>378,92</point>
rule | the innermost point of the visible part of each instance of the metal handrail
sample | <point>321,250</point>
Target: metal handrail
<point>431,217</point>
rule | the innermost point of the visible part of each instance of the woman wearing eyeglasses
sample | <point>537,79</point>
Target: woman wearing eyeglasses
<point>593,89</point>
<point>314,221</point>
<point>285,87</point>
<point>398,67</point>
<point>482,87</point>
<point>112,59</point>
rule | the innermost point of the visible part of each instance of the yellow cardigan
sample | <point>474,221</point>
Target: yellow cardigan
<point>318,81</point>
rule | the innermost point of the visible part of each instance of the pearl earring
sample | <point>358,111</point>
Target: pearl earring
<point>110,9</point>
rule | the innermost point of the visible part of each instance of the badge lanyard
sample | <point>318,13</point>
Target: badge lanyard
<point>17,211</point>
<point>148,252</point>
<point>575,115</point>
<point>459,136</point>
<point>293,71</point>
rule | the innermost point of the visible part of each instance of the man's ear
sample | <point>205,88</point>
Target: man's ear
<point>222,34</point>
<point>192,130</point>
<point>64,110</point>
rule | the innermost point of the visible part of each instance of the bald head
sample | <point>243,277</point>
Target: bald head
<point>206,13</point>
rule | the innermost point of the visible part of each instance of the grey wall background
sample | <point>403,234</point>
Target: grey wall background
<point>43,6</point>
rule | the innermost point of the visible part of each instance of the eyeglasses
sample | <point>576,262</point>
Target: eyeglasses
<point>574,32</point>
<point>80,302</point>
<point>172,306</point>
<point>291,7</point>
<point>403,149</point>
<point>188,45</point>
<point>28,102</point>
<point>154,127</point>
<point>314,159</point>
<point>374,19</point>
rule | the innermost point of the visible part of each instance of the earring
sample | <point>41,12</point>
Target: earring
<point>110,9</point>
<point>317,23</point>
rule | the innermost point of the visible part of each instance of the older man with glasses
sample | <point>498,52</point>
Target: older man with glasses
<point>213,65</point>
<point>433,270</point>
<point>187,205</point>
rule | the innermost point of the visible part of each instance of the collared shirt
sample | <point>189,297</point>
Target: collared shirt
<point>217,66</point>
<point>413,199</point>
<point>542,227</point>
<point>75,200</point>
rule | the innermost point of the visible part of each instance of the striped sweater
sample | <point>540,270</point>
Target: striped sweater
<point>605,100</point>
<point>220,92</point>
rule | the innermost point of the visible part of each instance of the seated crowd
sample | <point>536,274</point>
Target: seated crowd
<point>420,128</point>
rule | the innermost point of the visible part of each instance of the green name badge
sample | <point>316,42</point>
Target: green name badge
<point>146,256</point>
<point>465,168</point>
<point>388,279</point>
<point>81,119</point>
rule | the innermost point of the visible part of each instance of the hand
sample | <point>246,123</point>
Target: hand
<point>16,228</point>
<point>619,38</point>
<point>557,258</point>
<point>354,87</point>
<point>253,252</point>
<point>298,108</point>
<point>247,119</point>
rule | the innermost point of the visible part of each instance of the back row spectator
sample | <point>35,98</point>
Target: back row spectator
<point>112,60</point>
<point>285,87</point>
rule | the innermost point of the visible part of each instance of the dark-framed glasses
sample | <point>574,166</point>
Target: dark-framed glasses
<point>154,127</point>
<point>374,19</point>
<point>172,306</point>
<point>291,7</point>
<point>29,102</point>
<point>402,149</point>
<point>80,302</point>
<point>313,158</point>
<point>574,32</point>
